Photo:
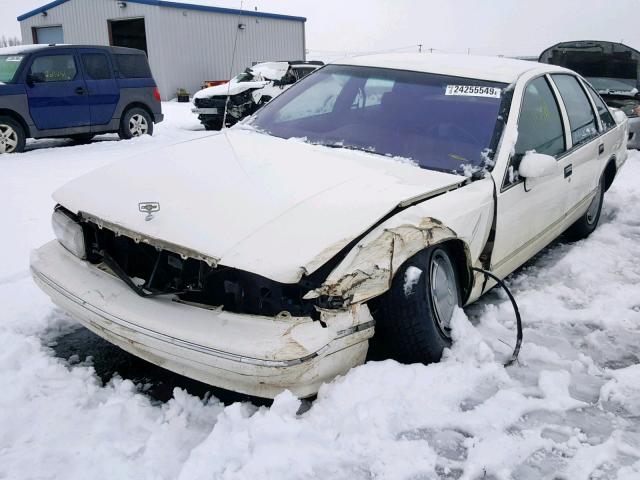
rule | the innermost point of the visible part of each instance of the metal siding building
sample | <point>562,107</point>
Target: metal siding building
<point>186,44</point>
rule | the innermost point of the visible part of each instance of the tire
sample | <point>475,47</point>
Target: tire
<point>412,325</point>
<point>214,125</point>
<point>12,136</point>
<point>82,138</point>
<point>587,223</point>
<point>135,123</point>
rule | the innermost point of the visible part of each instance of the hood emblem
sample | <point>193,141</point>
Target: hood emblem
<point>149,208</point>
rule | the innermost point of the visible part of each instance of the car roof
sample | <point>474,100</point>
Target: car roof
<point>24,49</point>
<point>497,69</point>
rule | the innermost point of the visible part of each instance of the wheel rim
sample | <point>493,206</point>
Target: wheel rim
<point>8,139</point>
<point>138,125</point>
<point>443,290</point>
<point>594,206</point>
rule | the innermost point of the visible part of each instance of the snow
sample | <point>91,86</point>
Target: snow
<point>568,409</point>
<point>411,279</point>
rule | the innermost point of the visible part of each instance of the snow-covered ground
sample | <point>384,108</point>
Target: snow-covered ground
<point>570,409</point>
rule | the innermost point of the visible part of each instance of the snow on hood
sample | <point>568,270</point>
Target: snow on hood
<point>231,88</point>
<point>263,73</point>
<point>255,202</point>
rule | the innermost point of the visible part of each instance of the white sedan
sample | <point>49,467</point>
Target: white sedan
<point>351,209</point>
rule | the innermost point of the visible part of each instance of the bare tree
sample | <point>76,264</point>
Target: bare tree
<point>9,41</point>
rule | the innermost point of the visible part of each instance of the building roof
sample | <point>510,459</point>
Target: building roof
<point>497,69</point>
<point>182,6</point>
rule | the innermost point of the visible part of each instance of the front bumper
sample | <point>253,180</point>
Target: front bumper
<point>634,133</point>
<point>260,356</point>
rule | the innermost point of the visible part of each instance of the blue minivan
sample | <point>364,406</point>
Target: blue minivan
<point>77,92</point>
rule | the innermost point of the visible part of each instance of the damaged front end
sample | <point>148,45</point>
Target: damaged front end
<point>211,110</point>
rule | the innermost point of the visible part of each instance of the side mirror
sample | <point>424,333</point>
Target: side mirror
<point>33,78</point>
<point>536,165</point>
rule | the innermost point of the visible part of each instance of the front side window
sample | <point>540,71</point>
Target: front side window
<point>603,111</point>
<point>540,123</point>
<point>9,65</point>
<point>53,68</point>
<point>581,117</point>
<point>440,122</point>
<point>96,65</point>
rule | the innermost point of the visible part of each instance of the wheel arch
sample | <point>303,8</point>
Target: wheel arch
<point>18,118</point>
<point>141,105</point>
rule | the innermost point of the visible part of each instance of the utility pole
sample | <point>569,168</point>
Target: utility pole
<point>419,48</point>
<point>431,50</point>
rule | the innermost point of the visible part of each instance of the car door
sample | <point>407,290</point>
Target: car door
<point>102,87</point>
<point>56,91</point>
<point>530,212</point>
<point>587,147</point>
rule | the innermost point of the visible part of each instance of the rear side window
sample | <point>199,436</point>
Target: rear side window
<point>132,66</point>
<point>581,117</point>
<point>603,111</point>
<point>540,123</point>
<point>96,66</point>
<point>53,68</point>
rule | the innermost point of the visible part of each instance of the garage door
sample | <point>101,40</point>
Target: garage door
<point>48,35</point>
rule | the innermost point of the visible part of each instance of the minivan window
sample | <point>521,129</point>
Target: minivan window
<point>96,66</point>
<point>132,65</point>
<point>54,68</point>
<point>603,111</point>
<point>9,66</point>
<point>581,117</point>
<point>540,124</point>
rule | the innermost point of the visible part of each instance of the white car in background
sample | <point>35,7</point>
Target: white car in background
<point>248,91</point>
<point>356,203</point>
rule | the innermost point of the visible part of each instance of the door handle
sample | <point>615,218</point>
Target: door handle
<point>80,91</point>
<point>568,170</point>
<point>601,149</point>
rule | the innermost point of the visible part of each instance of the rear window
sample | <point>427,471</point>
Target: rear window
<point>132,66</point>
<point>9,66</point>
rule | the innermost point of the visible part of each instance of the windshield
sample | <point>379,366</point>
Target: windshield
<point>243,77</point>
<point>440,122</point>
<point>606,84</point>
<point>9,66</point>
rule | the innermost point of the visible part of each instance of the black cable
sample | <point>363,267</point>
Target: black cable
<point>516,350</point>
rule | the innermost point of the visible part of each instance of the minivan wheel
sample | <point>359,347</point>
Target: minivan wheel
<point>135,123</point>
<point>12,136</point>
<point>413,319</point>
<point>587,223</point>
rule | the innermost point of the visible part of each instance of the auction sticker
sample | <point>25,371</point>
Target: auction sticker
<point>473,91</point>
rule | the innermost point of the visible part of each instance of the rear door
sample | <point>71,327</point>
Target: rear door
<point>56,90</point>
<point>102,87</point>
<point>583,158</point>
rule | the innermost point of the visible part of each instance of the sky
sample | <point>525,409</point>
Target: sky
<point>496,27</point>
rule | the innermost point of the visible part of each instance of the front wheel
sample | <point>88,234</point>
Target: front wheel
<point>12,136</point>
<point>587,223</point>
<point>413,319</point>
<point>135,123</point>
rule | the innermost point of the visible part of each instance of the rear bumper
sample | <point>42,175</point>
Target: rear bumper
<point>634,133</point>
<point>259,356</point>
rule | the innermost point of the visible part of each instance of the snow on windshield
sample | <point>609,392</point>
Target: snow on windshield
<point>442,123</point>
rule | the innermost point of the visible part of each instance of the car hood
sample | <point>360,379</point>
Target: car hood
<point>229,89</point>
<point>278,208</point>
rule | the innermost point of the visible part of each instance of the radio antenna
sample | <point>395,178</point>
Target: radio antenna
<point>233,59</point>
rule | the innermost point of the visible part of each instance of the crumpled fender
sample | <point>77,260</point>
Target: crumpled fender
<point>369,269</point>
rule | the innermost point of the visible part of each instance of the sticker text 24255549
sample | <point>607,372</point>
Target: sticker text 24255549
<point>473,91</point>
